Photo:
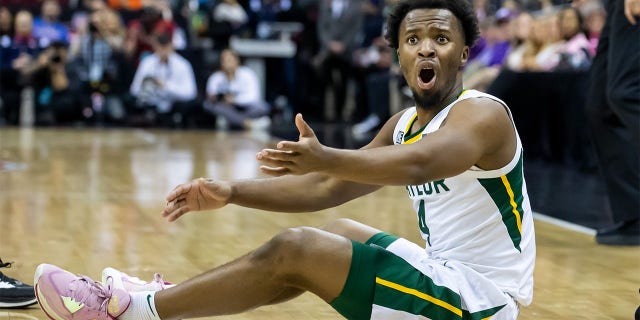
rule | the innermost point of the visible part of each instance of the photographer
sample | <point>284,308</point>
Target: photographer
<point>98,66</point>
<point>55,91</point>
<point>233,95</point>
<point>164,86</point>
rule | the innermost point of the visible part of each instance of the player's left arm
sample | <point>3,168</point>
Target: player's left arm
<point>476,132</point>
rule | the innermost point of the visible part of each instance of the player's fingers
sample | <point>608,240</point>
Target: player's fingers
<point>172,206</point>
<point>178,213</point>
<point>275,154</point>
<point>274,171</point>
<point>303,127</point>
<point>277,164</point>
<point>289,146</point>
<point>630,12</point>
<point>178,191</point>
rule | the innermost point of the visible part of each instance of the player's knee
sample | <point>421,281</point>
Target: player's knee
<point>284,250</point>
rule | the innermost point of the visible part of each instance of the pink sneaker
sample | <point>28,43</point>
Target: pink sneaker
<point>133,284</point>
<point>65,296</point>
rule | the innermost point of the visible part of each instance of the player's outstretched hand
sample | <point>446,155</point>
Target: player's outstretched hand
<point>632,10</point>
<point>291,157</point>
<point>197,195</point>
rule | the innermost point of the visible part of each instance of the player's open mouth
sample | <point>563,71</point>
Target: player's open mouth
<point>426,78</point>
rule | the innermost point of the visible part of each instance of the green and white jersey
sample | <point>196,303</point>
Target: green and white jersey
<point>480,218</point>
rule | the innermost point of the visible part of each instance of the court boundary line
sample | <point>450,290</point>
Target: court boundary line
<point>564,224</point>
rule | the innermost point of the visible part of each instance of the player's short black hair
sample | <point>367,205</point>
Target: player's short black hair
<point>462,9</point>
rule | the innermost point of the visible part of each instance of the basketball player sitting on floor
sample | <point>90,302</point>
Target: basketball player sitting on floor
<point>460,158</point>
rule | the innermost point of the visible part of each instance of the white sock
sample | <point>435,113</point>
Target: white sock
<point>142,307</point>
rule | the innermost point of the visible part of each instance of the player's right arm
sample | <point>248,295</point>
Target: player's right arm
<point>305,193</point>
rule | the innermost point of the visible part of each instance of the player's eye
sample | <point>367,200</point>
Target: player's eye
<point>441,39</point>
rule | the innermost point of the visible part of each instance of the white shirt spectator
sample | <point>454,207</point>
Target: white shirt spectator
<point>245,87</point>
<point>175,81</point>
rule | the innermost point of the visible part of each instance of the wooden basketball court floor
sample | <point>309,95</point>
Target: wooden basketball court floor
<point>85,199</point>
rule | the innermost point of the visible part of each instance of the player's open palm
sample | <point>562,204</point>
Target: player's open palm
<point>295,157</point>
<point>197,195</point>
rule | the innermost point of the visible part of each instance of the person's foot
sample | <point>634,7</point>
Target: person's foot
<point>621,234</point>
<point>14,293</point>
<point>133,284</point>
<point>65,296</point>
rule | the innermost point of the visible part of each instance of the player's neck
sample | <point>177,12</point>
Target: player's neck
<point>426,114</point>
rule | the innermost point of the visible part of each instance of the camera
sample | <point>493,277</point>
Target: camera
<point>92,27</point>
<point>56,58</point>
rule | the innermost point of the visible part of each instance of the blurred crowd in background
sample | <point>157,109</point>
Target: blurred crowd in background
<point>161,62</point>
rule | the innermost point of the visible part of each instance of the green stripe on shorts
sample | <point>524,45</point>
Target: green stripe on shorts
<point>401,287</point>
<point>354,302</point>
<point>379,277</point>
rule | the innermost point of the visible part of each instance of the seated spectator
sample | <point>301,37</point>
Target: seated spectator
<point>479,72</point>
<point>574,54</point>
<point>6,36</point>
<point>594,18</point>
<point>178,34</point>
<point>6,26</point>
<point>79,22</point>
<point>520,42</point>
<point>137,43</point>
<point>47,28</point>
<point>24,43</point>
<point>544,52</point>
<point>164,84</point>
<point>98,63</point>
<point>233,95</point>
<point>56,92</point>
<point>17,55</point>
<point>110,28</point>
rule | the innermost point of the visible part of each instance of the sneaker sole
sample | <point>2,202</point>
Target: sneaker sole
<point>18,305</point>
<point>43,303</point>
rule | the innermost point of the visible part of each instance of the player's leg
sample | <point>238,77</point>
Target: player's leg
<point>347,228</point>
<point>302,258</point>
<point>306,259</point>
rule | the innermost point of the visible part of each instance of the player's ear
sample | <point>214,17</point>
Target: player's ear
<point>464,57</point>
<point>398,55</point>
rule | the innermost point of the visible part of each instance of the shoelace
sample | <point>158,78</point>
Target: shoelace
<point>5,264</point>
<point>5,278</point>
<point>91,293</point>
